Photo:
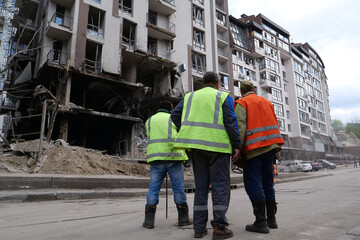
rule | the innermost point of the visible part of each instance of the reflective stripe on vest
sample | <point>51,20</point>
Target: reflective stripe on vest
<point>250,132</point>
<point>164,155</point>
<point>262,131</point>
<point>162,148</point>
<point>203,128</point>
<point>202,142</point>
<point>164,140</point>
<point>215,123</point>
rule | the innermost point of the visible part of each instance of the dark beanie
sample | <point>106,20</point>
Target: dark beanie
<point>167,105</point>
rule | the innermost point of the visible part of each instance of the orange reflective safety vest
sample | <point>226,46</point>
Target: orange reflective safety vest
<point>262,126</point>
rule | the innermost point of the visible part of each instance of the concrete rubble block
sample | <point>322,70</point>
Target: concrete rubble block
<point>29,146</point>
<point>31,162</point>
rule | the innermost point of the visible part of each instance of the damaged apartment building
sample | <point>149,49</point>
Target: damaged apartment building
<point>102,66</point>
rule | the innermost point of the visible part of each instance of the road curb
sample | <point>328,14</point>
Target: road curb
<point>28,195</point>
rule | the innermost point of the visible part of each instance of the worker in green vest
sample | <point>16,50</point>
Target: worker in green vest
<point>209,132</point>
<point>163,158</point>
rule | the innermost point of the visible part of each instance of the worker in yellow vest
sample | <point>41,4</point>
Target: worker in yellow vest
<point>209,131</point>
<point>163,158</point>
<point>260,141</point>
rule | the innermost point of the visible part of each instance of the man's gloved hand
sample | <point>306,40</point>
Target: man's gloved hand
<point>235,155</point>
<point>241,162</point>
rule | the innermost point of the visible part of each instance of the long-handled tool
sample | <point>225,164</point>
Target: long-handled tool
<point>166,192</point>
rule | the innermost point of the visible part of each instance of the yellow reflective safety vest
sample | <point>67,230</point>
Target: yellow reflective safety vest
<point>161,133</point>
<point>202,122</point>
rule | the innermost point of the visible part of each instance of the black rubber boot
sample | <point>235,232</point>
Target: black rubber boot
<point>149,216</point>
<point>183,213</point>
<point>260,224</point>
<point>271,210</point>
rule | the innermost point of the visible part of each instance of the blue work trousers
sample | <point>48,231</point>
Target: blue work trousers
<point>210,168</point>
<point>158,172</point>
<point>259,178</point>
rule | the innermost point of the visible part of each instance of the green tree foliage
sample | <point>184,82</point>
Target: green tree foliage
<point>337,124</point>
<point>353,127</point>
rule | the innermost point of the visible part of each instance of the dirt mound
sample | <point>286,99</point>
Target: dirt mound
<point>77,160</point>
<point>64,159</point>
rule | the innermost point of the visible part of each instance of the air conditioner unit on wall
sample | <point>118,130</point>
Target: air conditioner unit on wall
<point>182,68</point>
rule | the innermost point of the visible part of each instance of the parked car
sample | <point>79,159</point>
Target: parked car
<point>298,166</point>
<point>316,165</point>
<point>326,163</point>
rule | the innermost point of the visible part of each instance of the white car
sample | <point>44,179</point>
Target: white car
<point>298,166</point>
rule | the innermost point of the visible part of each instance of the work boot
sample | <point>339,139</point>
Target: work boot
<point>271,210</point>
<point>200,234</point>
<point>220,233</point>
<point>149,216</point>
<point>260,224</point>
<point>183,213</point>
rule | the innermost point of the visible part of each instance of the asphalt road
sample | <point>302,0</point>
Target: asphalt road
<point>320,208</point>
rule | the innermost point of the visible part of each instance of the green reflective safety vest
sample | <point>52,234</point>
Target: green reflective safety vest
<point>161,133</point>
<point>202,122</point>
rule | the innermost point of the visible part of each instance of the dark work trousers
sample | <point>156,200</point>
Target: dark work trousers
<point>259,178</point>
<point>210,168</point>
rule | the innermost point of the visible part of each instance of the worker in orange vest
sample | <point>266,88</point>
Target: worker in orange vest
<point>260,141</point>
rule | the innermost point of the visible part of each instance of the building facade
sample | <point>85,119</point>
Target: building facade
<point>102,66</point>
<point>291,76</point>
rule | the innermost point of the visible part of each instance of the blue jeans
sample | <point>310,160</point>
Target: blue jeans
<point>158,172</point>
<point>259,178</point>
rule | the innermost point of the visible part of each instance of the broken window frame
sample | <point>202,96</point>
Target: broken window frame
<point>129,41</point>
<point>60,15</point>
<point>125,7</point>
<point>56,52</point>
<point>152,17</point>
<point>92,28</point>
<point>198,62</point>
<point>220,18</point>
<point>224,82</point>
<point>94,65</point>
<point>198,16</point>
<point>199,39</point>
<point>152,46</point>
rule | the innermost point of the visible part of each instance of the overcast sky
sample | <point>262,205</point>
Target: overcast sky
<point>332,28</point>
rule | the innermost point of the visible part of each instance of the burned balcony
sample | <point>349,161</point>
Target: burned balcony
<point>8,103</point>
<point>57,57</point>
<point>159,27</point>
<point>60,27</point>
<point>92,66</point>
<point>165,7</point>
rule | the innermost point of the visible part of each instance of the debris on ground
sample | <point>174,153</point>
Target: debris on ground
<point>60,158</point>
